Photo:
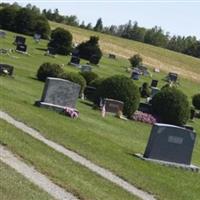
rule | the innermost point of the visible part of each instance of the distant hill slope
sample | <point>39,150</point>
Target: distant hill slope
<point>187,66</point>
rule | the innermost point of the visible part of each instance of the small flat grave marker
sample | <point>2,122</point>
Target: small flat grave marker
<point>59,93</point>
<point>21,48</point>
<point>86,68</point>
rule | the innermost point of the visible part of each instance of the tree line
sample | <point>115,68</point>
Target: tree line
<point>30,19</point>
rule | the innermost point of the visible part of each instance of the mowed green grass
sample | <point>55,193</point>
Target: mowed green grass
<point>109,142</point>
<point>155,56</point>
<point>15,186</point>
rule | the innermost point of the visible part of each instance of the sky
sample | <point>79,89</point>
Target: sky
<point>178,17</point>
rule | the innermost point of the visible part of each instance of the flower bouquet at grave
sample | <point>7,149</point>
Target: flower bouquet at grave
<point>71,112</point>
<point>144,117</point>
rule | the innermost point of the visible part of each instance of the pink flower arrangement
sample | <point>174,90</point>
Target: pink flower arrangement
<point>144,117</point>
<point>71,112</point>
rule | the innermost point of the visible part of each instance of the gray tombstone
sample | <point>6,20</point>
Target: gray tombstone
<point>113,106</point>
<point>170,143</point>
<point>172,77</point>
<point>37,37</point>
<point>86,68</point>
<point>6,69</point>
<point>2,34</point>
<point>59,93</point>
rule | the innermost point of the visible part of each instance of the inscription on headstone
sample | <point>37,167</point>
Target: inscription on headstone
<point>170,143</point>
<point>21,47</point>
<point>60,92</point>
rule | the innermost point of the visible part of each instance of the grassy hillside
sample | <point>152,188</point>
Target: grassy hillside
<point>109,142</point>
<point>164,59</point>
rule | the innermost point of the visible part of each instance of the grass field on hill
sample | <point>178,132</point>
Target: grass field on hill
<point>109,142</point>
<point>166,60</point>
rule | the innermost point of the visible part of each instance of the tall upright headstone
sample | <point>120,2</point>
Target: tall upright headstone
<point>171,144</point>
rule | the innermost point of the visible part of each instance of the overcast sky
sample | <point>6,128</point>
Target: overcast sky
<point>180,17</point>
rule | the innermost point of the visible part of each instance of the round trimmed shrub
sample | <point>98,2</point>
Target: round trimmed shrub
<point>89,76</point>
<point>121,88</point>
<point>76,78</point>
<point>172,106</point>
<point>135,60</point>
<point>48,70</point>
<point>196,101</point>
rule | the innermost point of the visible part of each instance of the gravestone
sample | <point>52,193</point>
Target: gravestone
<point>154,91</point>
<point>89,92</point>
<point>2,34</point>
<point>172,77</point>
<point>135,75</point>
<point>112,56</point>
<point>37,37</point>
<point>21,48</point>
<point>59,93</point>
<point>154,83</point>
<point>171,144</point>
<point>6,69</point>
<point>143,70</point>
<point>75,61</point>
<point>86,68</point>
<point>20,40</point>
<point>113,106</point>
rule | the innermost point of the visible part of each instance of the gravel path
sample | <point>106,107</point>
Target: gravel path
<point>34,176</point>
<point>79,159</point>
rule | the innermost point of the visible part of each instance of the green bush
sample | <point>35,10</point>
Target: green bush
<point>76,78</point>
<point>135,60</point>
<point>90,50</point>
<point>61,41</point>
<point>89,76</point>
<point>172,106</point>
<point>123,89</point>
<point>196,101</point>
<point>48,70</point>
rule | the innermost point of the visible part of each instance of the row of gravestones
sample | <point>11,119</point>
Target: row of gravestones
<point>166,144</point>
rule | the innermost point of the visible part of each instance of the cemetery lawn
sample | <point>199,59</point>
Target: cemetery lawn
<point>108,142</point>
<point>15,186</point>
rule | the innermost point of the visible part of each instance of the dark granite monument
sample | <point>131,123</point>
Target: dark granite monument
<point>20,40</point>
<point>59,93</point>
<point>75,61</point>
<point>171,144</point>
<point>6,69</point>
<point>113,106</point>
<point>135,75</point>
<point>154,91</point>
<point>154,83</point>
<point>112,56</point>
<point>89,92</point>
<point>21,48</point>
<point>172,77</point>
<point>86,68</point>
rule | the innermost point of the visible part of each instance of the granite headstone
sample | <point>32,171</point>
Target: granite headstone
<point>113,106</point>
<point>86,68</point>
<point>20,40</point>
<point>171,144</point>
<point>59,93</point>
<point>154,83</point>
<point>21,48</point>
<point>6,69</point>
